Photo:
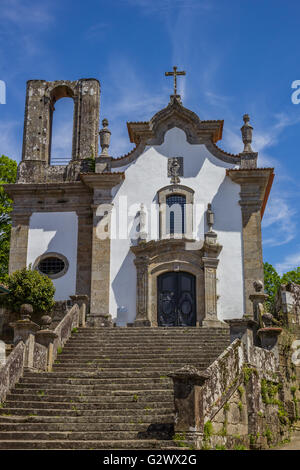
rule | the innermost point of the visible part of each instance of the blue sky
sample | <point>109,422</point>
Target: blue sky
<point>239,57</point>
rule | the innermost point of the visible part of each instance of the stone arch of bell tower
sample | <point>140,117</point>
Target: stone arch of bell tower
<point>41,97</point>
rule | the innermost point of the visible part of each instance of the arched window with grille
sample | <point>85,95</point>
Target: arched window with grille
<point>175,214</point>
<point>176,211</point>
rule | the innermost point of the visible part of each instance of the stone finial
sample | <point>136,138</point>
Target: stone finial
<point>246,130</point>
<point>210,217</point>
<point>26,310</point>
<point>104,138</point>
<point>46,321</point>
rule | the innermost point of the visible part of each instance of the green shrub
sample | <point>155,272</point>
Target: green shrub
<point>28,286</point>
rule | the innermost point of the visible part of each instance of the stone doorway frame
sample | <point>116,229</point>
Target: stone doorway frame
<point>196,271</point>
<point>158,257</point>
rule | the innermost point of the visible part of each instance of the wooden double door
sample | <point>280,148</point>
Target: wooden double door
<point>176,299</point>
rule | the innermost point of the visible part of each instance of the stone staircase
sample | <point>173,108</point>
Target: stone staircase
<point>109,389</point>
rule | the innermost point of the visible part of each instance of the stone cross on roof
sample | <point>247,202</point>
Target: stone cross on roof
<point>174,74</point>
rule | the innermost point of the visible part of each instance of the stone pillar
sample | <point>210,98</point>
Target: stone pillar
<point>84,252</point>
<point>37,123</point>
<point>269,339</point>
<point>86,119</point>
<point>24,327</point>
<point>244,329</point>
<point>100,272</point>
<point>46,338</point>
<point>142,318</point>
<point>18,241</point>
<point>82,301</point>
<point>188,400</point>
<point>210,263</point>
<point>255,184</point>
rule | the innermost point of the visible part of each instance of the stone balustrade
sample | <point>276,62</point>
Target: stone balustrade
<point>36,350</point>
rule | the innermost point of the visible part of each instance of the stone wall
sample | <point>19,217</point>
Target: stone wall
<point>242,401</point>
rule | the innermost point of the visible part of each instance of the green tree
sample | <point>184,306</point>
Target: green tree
<point>291,276</point>
<point>273,281</point>
<point>8,174</point>
<point>28,286</point>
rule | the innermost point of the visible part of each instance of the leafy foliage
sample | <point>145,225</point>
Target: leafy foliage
<point>273,282</point>
<point>29,287</point>
<point>8,174</point>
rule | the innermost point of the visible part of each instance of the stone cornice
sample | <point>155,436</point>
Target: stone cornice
<point>55,189</point>
<point>255,184</point>
<point>154,247</point>
<point>102,180</point>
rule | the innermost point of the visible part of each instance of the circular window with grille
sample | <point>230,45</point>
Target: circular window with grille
<point>53,265</point>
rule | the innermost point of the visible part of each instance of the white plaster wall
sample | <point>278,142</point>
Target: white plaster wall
<point>206,175</point>
<point>55,232</point>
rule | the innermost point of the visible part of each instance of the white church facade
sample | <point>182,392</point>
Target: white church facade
<point>167,235</point>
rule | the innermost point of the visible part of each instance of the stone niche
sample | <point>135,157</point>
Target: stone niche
<point>154,258</point>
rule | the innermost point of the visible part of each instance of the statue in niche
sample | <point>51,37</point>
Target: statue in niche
<point>175,169</point>
<point>142,223</point>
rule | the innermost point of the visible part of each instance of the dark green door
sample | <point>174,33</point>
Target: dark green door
<point>176,299</point>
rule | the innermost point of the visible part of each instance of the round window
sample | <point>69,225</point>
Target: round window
<point>53,265</point>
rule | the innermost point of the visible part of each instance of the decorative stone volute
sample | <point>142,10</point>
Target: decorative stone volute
<point>104,138</point>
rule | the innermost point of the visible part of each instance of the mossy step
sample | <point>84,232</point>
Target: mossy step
<point>92,427</point>
<point>118,397</point>
<point>146,444</point>
<point>46,403</point>
<point>89,392</point>
<point>81,436</point>
<point>58,412</point>
<point>102,419</point>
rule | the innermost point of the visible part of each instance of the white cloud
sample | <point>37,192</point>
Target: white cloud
<point>127,99</point>
<point>289,263</point>
<point>23,12</point>
<point>279,222</point>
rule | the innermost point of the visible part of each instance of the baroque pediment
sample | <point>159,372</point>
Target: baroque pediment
<point>175,115</point>
<point>148,133</point>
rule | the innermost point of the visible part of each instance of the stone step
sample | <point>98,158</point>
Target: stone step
<point>88,445</point>
<point>83,436</point>
<point>81,359</point>
<point>93,375</point>
<point>49,387</point>
<point>128,412</point>
<point>144,417</point>
<point>123,331</point>
<point>82,427</point>
<point>109,403</point>
<point>108,397</point>
<point>133,364</point>
<point>109,389</point>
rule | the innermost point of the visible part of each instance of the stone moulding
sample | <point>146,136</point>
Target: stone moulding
<point>175,115</point>
<point>154,258</point>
